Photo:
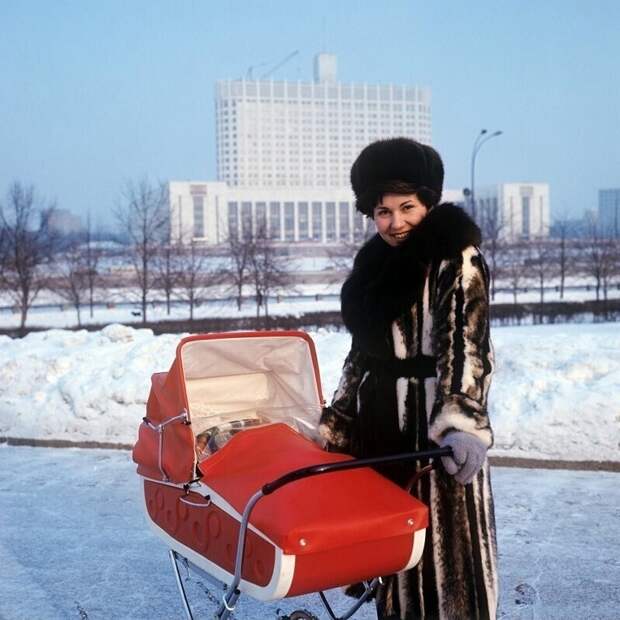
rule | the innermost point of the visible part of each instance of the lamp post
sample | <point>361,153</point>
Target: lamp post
<point>482,138</point>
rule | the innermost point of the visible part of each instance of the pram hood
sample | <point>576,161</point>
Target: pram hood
<point>220,378</point>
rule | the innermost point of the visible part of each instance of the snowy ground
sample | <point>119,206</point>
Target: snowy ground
<point>122,306</point>
<point>554,394</point>
<point>74,543</point>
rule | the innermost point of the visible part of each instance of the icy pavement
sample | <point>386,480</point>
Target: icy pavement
<point>74,543</point>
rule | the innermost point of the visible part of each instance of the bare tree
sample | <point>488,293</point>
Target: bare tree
<point>513,266</point>
<point>167,265</point>
<point>72,283</point>
<point>91,256</point>
<point>193,276</point>
<point>601,258</point>
<point>27,245</point>
<point>491,228</point>
<point>341,256</point>
<point>562,227</point>
<point>268,271</point>
<point>238,267</point>
<point>541,259</point>
<point>143,214</point>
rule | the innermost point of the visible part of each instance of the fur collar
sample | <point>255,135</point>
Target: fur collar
<point>386,280</point>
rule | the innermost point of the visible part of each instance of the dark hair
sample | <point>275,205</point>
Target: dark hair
<point>370,199</point>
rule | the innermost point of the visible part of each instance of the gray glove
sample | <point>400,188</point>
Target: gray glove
<point>468,454</point>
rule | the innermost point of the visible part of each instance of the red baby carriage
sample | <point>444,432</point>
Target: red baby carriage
<point>264,510</point>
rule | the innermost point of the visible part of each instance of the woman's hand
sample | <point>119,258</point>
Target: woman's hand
<point>335,429</point>
<point>468,454</point>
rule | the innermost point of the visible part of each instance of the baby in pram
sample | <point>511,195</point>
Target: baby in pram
<point>210,441</point>
<point>202,446</point>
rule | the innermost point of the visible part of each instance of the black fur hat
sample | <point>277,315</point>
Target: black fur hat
<point>400,163</point>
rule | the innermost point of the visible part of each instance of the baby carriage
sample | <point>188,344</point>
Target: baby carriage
<point>261,508</point>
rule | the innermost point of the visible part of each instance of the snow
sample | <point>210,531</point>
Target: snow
<point>122,304</point>
<point>123,309</point>
<point>75,543</point>
<point>554,393</point>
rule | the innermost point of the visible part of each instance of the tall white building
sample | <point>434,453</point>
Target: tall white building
<point>284,153</point>
<point>521,210</point>
<point>307,134</point>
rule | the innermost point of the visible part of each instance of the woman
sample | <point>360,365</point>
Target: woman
<point>418,373</point>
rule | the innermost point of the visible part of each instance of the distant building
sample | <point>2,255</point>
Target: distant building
<point>609,211</point>
<point>209,211</point>
<point>284,154</point>
<point>65,222</point>
<point>307,134</point>
<point>455,196</point>
<point>570,228</point>
<point>520,210</point>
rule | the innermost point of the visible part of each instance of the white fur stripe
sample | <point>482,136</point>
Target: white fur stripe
<point>472,368</point>
<point>402,384</point>
<point>400,346</point>
<point>400,350</point>
<point>359,390</point>
<point>438,551</point>
<point>487,544</point>
<point>430,386</point>
<point>427,322</point>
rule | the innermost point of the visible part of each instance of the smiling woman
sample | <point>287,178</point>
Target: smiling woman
<point>418,373</point>
<point>396,216</point>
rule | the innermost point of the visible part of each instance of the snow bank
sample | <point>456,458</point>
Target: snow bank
<point>554,394</point>
<point>79,385</point>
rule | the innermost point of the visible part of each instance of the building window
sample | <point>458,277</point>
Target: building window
<point>345,229</point>
<point>289,221</point>
<point>358,226</point>
<point>302,213</point>
<point>317,222</point>
<point>525,216</point>
<point>246,220</point>
<point>274,220</point>
<point>330,221</point>
<point>261,218</point>
<point>233,220</point>
<point>199,215</point>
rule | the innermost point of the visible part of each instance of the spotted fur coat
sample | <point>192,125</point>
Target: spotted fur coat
<point>428,296</point>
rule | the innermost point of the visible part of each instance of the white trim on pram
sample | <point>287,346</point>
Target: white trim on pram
<point>419,537</point>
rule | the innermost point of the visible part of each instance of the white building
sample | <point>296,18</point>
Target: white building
<point>284,154</point>
<point>65,222</point>
<point>521,210</point>
<point>609,211</point>
<point>207,211</point>
<point>307,134</point>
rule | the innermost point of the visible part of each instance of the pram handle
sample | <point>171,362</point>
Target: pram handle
<point>326,468</point>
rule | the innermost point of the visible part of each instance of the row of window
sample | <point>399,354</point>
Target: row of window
<point>266,90</point>
<point>317,138</point>
<point>314,180</point>
<point>293,108</point>
<point>303,221</point>
<point>316,120</point>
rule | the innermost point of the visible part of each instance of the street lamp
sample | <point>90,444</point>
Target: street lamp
<point>482,138</point>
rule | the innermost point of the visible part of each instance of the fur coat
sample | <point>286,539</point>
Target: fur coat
<point>421,308</point>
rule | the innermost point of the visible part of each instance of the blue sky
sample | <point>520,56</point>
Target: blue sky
<point>95,93</point>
